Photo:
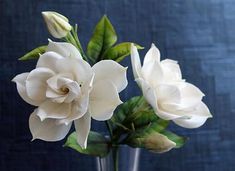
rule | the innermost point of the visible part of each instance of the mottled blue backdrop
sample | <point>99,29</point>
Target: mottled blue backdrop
<point>200,34</point>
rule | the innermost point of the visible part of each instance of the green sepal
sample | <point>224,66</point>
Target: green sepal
<point>34,54</point>
<point>120,51</point>
<point>97,144</point>
<point>179,140</point>
<point>104,36</point>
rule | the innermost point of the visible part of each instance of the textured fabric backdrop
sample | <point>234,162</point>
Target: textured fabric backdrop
<point>200,34</point>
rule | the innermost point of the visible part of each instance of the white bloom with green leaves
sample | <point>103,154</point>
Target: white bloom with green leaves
<point>171,97</point>
<point>57,24</point>
<point>66,89</point>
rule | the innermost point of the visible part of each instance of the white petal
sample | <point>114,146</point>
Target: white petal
<point>171,70</point>
<point>53,81</point>
<point>79,68</point>
<point>104,99</point>
<point>135,61</point>
<point>78,109</point>
<point>167,115</point>
<point>64,49</point>
<point>48,60</point>
<point>112,71</point>
<point>56,95</point>
<point>80,106</point>
<point>192,122</point>
<point>49,109</point>
<point>191,95</point>
<point>153,55</point>
<point>53,93</point>
<point>153,73</point>
<point>150,95</point>
<point>148,92</point>
<point>196,118</point>
<point>82,127</point>
<point>47,130</point>
<point>36,84</point>
<point>188,97</point>
<point>202,110</point>
<point>73,87</point>
<point>20,81</point>
<point>168,93</point>
<point>74,91</point>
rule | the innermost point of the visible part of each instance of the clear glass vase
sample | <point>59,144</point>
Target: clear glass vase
<point>121,158</point>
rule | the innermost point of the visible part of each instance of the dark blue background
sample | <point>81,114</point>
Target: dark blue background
<point>200,34</point>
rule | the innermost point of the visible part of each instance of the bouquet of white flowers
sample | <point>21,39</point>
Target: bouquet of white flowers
<point>71,86</point>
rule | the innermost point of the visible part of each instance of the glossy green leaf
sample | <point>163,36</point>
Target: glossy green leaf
<point>97,144</point>
<point>137,112</point>
<point>129,108</point>
<point>104,36</point>
<point>119,51</point>
<point>34,54</point>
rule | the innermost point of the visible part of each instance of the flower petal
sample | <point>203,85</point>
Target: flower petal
<point>53,81</point>
<point>64,49</point>
<point>195,119</point>
<point>167,93</point>
<point>36,84</point>
<point>153,55</point>
<point>80,106</point>
<point>48,60</point>
<point>83,126</point>
<point>78,109</point>
<point>49,109</point>
<point>153,73</point>
<point>150,95</point>
<point>20,81</point>
<point>171,70</point>
<point>148,92</point>
<point>103,69</point>
<point>192,122</point>
<point>202,110</point>
<point>135,61</point>
<point>104,99</point>
<point>191,95</point>
<point>47,130</point>
<point>79,68</point>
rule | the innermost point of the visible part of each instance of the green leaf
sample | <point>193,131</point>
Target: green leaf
<point>129,108</point>
<point>119,51</point>
<point>97,144</point>
<point>34,54</point>
<point>137,112</point>
<point>104,36</point>
<point>133,115</point>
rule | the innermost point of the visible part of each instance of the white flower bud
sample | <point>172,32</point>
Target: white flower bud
<point>158,143</point>
<point>57,24</point>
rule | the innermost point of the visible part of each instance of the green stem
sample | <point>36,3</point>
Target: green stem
<point>73,39</point>
<point>109,127</point>
<point>115,158</point>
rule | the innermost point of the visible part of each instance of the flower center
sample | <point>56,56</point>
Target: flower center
<point>62,89</point>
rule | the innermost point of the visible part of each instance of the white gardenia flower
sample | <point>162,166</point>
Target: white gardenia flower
<point>57,24</point>
<point>65,88</point>
<point>163,87</point>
